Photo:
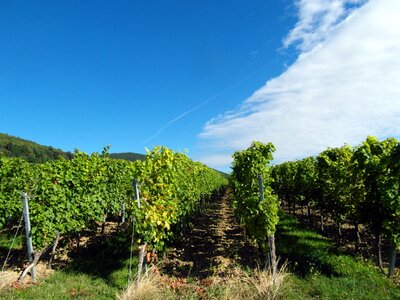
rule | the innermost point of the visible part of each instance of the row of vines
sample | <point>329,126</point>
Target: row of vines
<point>354,185</point>
<point>67,196</point>
<point>255,204</point>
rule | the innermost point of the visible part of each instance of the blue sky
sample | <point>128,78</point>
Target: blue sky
<point>207,76</point>
<point>87,74</point>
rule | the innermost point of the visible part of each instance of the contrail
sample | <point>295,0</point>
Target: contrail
<point>198,106</point>
<point>182,115</point>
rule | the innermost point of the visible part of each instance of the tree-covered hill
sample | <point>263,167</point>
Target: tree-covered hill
<point>12,146</point>
<point>32,152</point>
<point>128,156</point>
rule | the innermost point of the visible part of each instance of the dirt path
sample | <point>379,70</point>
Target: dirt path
<point>212,247</point>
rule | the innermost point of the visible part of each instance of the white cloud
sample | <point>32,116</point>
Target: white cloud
<point>343,89</point>
<point>317,19</point>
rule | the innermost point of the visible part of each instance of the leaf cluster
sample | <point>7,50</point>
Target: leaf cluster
<point>258,212</point>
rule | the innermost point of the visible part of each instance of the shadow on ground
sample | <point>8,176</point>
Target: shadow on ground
<point>212,245</point>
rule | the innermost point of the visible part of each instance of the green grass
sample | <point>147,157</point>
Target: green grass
<point>65,285</point>
<point>321,271</point>
<point>99,272</point>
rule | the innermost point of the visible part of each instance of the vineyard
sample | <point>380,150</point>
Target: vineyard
<point>357,186</point>
<point>67,197</point>
<point>168,200</point>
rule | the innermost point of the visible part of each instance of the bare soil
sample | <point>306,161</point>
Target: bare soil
<point>213,246</point>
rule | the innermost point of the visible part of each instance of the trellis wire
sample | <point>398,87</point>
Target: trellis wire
<point>12,243</point>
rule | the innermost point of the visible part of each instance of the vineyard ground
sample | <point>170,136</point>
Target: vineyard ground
<point>367,248</point>
<point>321,270</point>
<point>211,260</point>
<point>97,270</point>
<point>213,246</point>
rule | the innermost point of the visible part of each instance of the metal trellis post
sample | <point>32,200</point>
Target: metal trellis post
<point>28,232</point>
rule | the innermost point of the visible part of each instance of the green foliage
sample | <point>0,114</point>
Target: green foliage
<point>11,146</point>
<point>14,178</point>
<point>334,172</point>
<point>70,195</point>
<point>378,168</point>
<point>295,181</point>
<point>260,217</point>
<point>285,184</point>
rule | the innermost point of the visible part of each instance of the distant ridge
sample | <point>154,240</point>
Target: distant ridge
<point>32,152</point>
<point>12,146</point>
<point>128,156</point>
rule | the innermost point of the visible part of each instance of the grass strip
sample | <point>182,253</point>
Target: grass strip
<point>319,270</point>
